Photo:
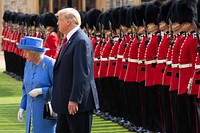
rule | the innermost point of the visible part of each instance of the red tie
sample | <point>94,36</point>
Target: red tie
<point>63,44</point>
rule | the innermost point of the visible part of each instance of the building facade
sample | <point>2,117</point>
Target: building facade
<point>41,6</point>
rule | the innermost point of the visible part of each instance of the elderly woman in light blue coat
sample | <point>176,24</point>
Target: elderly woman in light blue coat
<point>37,82</point>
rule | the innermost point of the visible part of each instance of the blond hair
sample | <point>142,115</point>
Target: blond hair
<point>71,14</point>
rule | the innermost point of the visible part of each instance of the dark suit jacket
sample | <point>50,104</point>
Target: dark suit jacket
<point>74,76</point>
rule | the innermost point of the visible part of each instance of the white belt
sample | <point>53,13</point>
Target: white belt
<point>124,59</point>
<point>140,61</point>
<point>197,66</point>
<point>161,61</point>
<point>104,59</point>
<point>12,41</point>
<point>150,62</point>
<point>169,62</point>
<point>112,58</point>
<point>95,59</point>
<point>185,65</point>
<point>132,60</point>
<point>119,56</point>
<point>175,65</point>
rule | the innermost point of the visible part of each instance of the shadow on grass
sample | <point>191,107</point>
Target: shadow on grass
<point>9,86</point>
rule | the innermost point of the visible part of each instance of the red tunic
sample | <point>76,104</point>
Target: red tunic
<point>124,65</point>
<point>161,59</point>
<point>2,37</point>
<point>18,37</point>
<point>113,59</point>
<point>104,59</point>
<point>13,41</point>
<point>187,58</point>
<point>52,41</point>
<point>168,69</point>
<point>97,53</point>
<point>120,55</point>
<point>150,61</point>
<point>131,72</point>
<point>195,80</point>
<point>175,61</point>
<point>141,67</point>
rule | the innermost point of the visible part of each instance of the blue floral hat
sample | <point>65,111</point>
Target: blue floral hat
<point>32,43</point>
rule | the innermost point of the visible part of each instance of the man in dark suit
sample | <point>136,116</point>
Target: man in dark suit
<point>74,93</point>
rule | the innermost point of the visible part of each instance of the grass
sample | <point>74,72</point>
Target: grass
<point>10,95</point>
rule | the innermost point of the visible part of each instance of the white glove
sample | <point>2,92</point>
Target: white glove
<point>35,92</point>
<point>20,115</point>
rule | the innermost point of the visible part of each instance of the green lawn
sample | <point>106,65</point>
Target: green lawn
<point>10,95</point>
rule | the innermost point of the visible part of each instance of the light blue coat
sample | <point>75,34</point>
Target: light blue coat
<point>39,76</point>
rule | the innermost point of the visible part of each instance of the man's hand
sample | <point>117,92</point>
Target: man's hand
<point>20,115</point>
<point>35,92</point>
<point>72,107</point>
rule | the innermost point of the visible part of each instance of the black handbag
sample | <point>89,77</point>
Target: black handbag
<point>48,112</point>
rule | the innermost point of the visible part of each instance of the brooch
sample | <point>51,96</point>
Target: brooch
<point>43,65</point>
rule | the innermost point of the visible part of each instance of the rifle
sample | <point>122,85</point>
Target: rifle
<point>111,35</point>
<point>145,28</point>
<point>121,32</point>
<point>135,29</point>
<point>146,33</point>
<point>101,34</point>
<point>87,29</point>
<point>170,28</point>
<point>110,27</point>
<point>94,33</point>
<point>171,33</point>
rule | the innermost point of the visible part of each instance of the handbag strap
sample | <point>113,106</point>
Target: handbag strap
<point>48,95</point>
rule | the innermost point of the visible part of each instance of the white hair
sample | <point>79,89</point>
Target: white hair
<point>72,14</point>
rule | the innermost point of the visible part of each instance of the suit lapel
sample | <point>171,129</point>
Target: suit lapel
<point>60,56</point>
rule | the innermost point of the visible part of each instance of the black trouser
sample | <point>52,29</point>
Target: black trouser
<point>143,103</point>
<point>186,114</point>
<point>100,93</point>
<point>106,90</point>
<point>123,103</point>
<point>198,113</point>
<point>78,123</point>
<point>134,103</point>
<point>21,66</point>
<point>154,121</point>
<point>173,95</point>
<point>114,95</point>
<point>7,61</point>
<point>166,108</point>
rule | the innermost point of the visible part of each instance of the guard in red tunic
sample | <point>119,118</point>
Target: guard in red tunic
<point>186,12</point>
<point>112,79</point>
<point>178,39</point>
<point>51,41</point>
<point>194,82</point>
<point>119,70</point>
<point>140,75</point>
<point>162,60</point>
<point>4,37</point>
<point>130,63</point>
<point>151,14</point>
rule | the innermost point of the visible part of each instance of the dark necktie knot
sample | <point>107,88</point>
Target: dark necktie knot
<point>64,41</point>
